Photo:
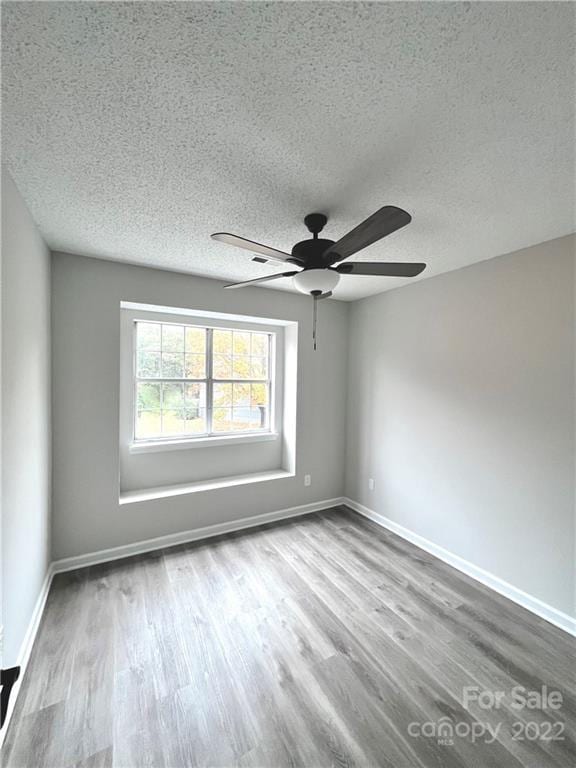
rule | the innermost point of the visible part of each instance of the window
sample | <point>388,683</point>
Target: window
<point>194,381</point>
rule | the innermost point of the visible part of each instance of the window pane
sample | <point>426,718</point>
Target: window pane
<point>195,408</point>
<point>258,418</point>
<point>148,424</point>
<point>259,394</point>
<point>172,338</point>
<point>148,336</point>
<point>174,408</point>
<point>241,394</point>
<point>258,368</point>
<point>222,419</point>
<point>172,395</point>
<point>222,341</point>
<point>172,366</point>
<point>195,395</point>
<point>195,367</point>
<point>241,343</point>
<point>259,344</point>
<point>240,419</point>
<point>195,420</point>
<point>222,395</point>
<point>173,422</point>
<point>148,365</point>
<point>196,340</point>
<point>222,367</point>
<point>148,397</point>
<point>241,367</point>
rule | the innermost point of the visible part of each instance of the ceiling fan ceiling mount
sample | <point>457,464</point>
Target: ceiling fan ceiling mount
<point>315,222</point>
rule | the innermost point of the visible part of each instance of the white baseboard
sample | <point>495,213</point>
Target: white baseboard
<point>139,547</point>
<point>26,647</point>
<point>533,604</point>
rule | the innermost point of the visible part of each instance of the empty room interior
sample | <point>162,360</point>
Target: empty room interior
<point>288,411</point>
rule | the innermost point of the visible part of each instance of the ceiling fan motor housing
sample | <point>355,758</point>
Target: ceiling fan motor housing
<point>309,252</point>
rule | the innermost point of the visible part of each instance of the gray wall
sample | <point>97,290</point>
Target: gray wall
<point>86,354</point>
<point>25,417</point>
<point>461,407</point>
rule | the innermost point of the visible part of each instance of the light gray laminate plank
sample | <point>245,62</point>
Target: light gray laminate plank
<point>101,759</point>
<point>49,672</point>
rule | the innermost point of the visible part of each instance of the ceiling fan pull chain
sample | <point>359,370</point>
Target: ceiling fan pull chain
<point>315,318</point>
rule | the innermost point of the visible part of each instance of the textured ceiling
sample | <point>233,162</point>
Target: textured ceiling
<point>134,130</point>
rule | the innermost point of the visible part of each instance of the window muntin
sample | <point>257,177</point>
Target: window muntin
<point>193,381</point>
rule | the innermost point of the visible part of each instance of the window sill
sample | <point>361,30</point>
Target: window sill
<point>153,446</point>
<point>151,494</point>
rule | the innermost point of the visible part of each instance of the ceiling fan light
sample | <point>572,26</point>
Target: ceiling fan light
<point>310,280</point>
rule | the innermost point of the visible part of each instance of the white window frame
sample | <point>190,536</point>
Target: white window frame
<point>208,381</point>
<point>206,439</point>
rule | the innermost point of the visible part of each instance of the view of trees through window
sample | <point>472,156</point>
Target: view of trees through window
<point>193,381</point>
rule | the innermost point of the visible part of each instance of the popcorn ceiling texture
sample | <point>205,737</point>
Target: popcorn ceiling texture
<point>134,130</point>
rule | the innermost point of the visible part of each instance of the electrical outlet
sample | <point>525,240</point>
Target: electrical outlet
<point>307,479</point>
<point>370,483</point>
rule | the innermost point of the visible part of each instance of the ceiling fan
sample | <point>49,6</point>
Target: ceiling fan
<point>316,257</point>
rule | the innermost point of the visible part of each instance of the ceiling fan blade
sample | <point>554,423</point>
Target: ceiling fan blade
<point>375,227</point>
<point>261,279</point>
<point>271,254</point>
<point>384,268</point>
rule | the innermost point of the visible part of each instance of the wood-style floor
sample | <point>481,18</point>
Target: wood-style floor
<point>322,641</point>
